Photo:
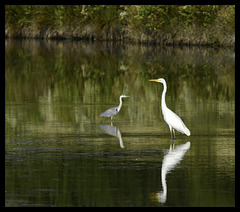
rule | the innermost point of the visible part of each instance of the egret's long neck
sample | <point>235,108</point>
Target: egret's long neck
<point>163,103</point>
<point>120,104</point>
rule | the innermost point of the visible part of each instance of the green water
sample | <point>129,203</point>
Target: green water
<point>58,152</point>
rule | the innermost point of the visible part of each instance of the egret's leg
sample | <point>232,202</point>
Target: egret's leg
<point>170,130</point>
<point>171,145</point>
<point>174,134</point>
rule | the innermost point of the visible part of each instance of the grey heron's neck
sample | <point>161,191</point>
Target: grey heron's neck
<point>164,96</point>
<point>120,104</point>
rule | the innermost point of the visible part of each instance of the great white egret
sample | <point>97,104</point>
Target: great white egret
<point>113,111</point>
<point>172,119</point>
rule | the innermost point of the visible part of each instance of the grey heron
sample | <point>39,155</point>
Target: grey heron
<point>172,119</point>
<point>115,110</point>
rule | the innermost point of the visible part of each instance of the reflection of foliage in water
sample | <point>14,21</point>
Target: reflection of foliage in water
<point>107,68</point>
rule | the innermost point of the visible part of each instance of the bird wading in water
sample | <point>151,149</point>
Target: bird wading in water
<point>115,110</point>
<point>172,119</point>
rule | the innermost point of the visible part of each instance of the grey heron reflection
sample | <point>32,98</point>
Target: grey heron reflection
<point>114,131</point>
<point>173,157</point>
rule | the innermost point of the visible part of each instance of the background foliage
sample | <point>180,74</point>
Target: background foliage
<point>164,24</point>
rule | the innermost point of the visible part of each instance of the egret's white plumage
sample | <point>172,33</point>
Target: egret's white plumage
<point>172,119</point>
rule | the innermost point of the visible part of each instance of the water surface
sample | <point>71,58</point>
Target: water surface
<point>60,153</point>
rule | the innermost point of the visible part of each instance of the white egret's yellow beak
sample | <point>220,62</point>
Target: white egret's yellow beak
<point>153,80</point>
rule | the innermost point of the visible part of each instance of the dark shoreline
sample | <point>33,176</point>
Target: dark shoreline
<point>162,40</point>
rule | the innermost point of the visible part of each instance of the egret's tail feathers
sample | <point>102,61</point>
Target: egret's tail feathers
<point>187,132</point>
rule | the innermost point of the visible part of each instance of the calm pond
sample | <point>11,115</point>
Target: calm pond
<point>59,152</point>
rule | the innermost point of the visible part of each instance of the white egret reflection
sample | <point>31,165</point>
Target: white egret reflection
<point>173,157</point>
<point>114,131</point>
